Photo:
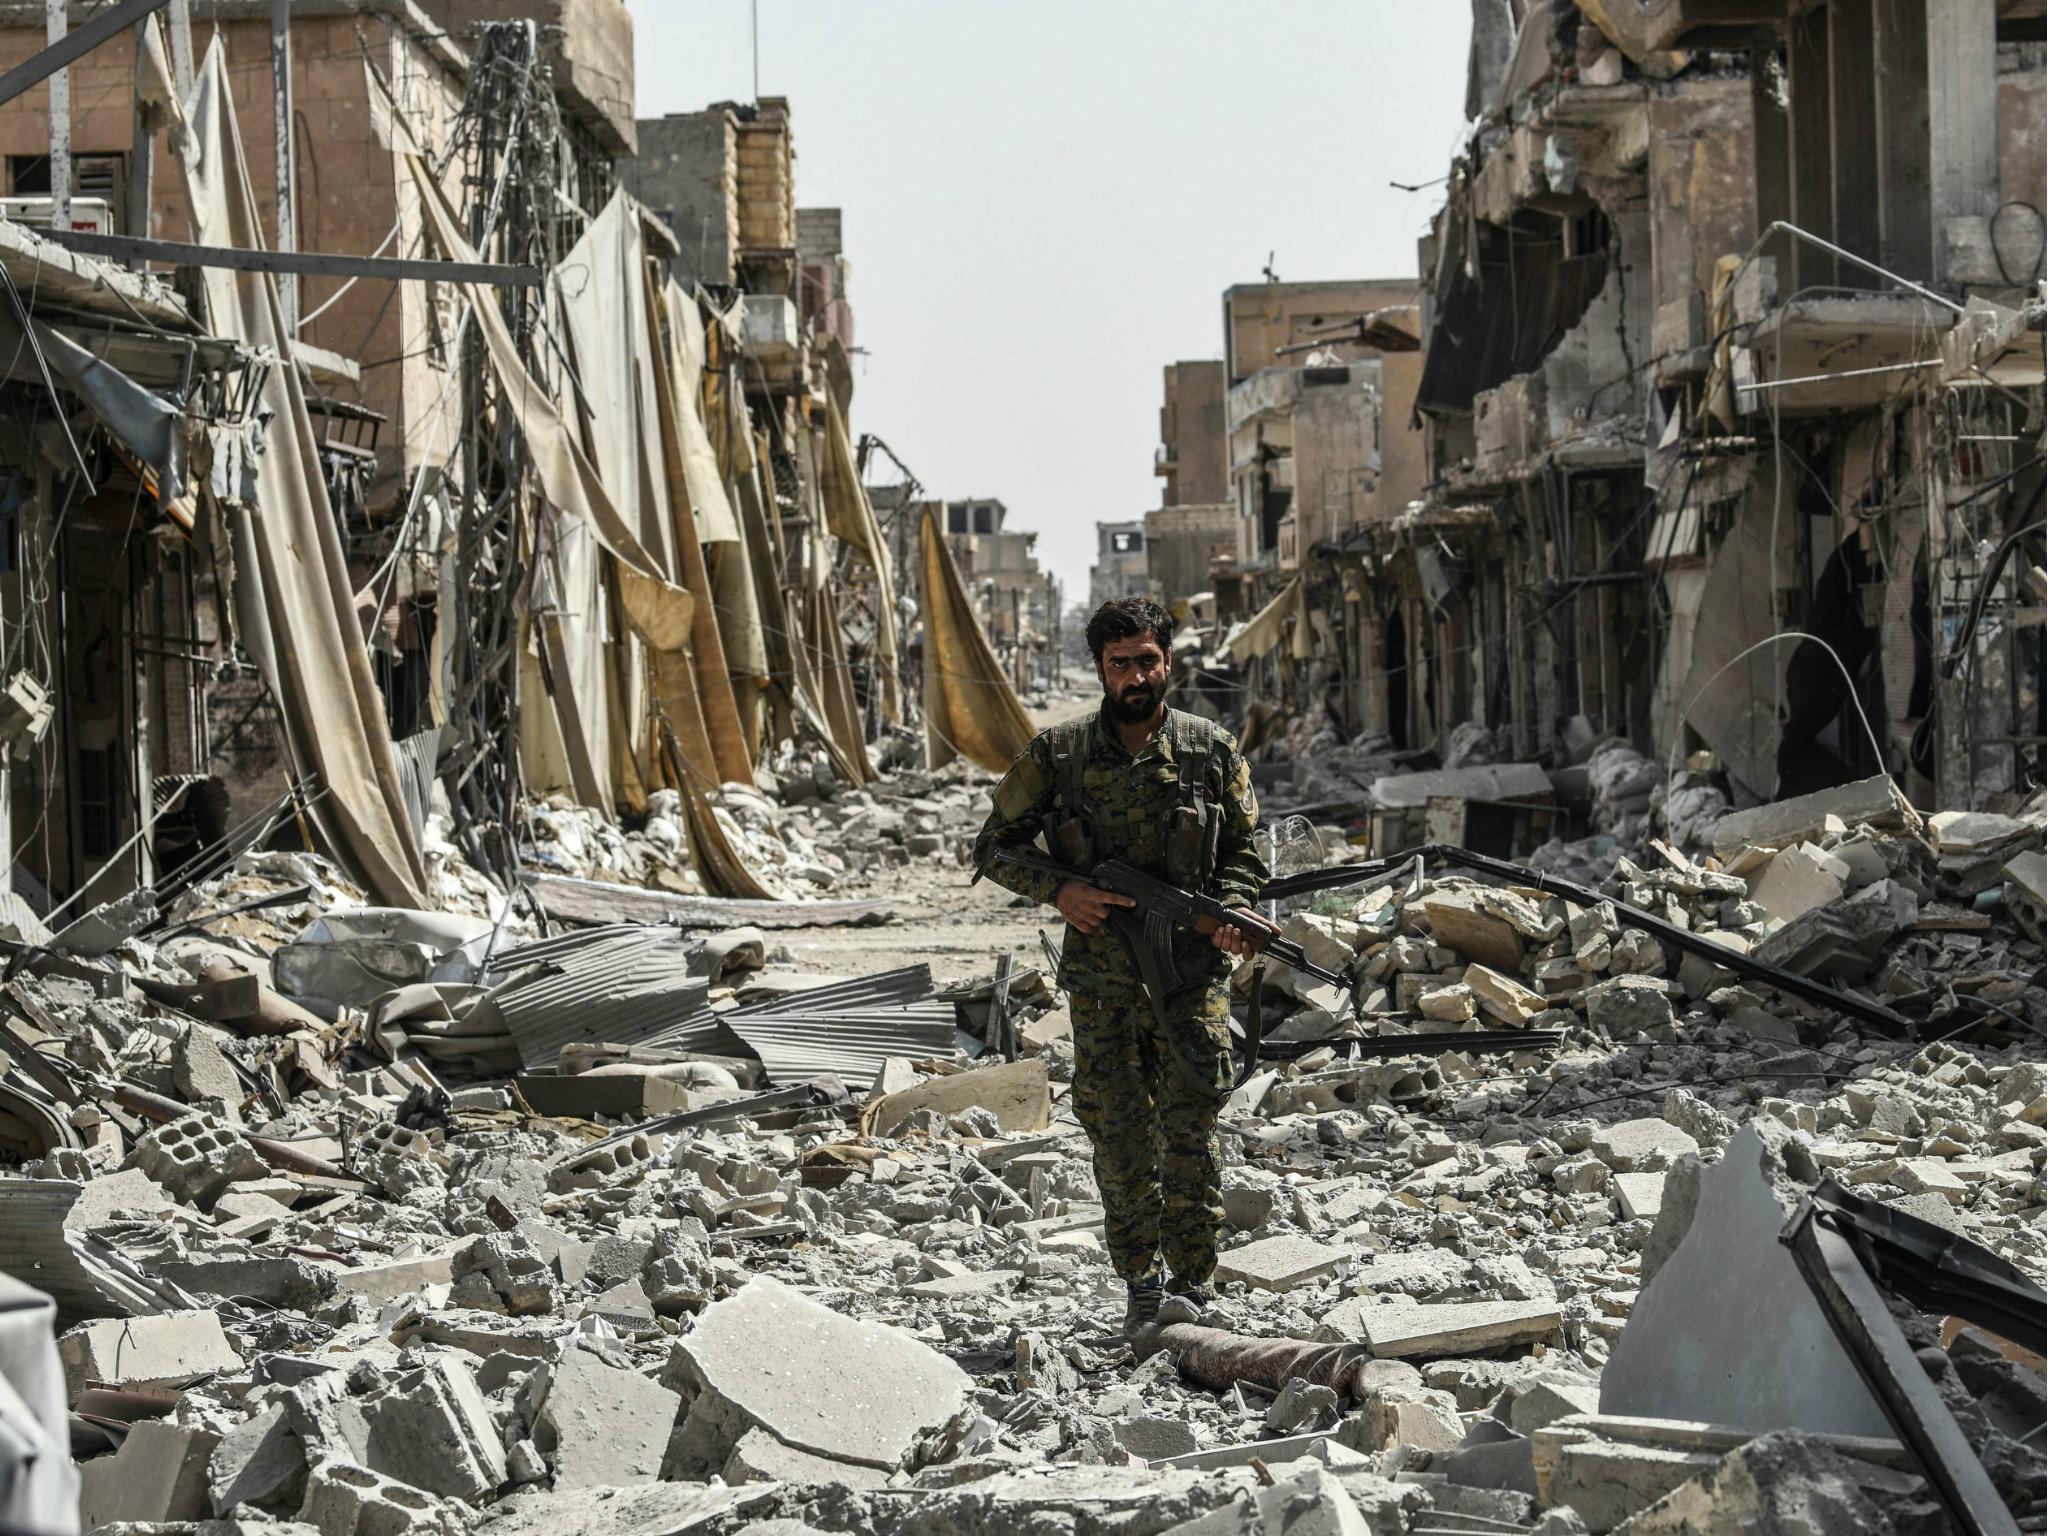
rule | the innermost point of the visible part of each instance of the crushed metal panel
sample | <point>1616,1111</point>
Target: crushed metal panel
<point>849,1028</point>
<point>1734,704</point>
<point>628,985</point>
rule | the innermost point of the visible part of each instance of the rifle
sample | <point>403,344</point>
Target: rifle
<point>1147,927</point>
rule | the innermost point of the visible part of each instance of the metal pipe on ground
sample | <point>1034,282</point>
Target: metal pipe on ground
<point>1218,1359</point>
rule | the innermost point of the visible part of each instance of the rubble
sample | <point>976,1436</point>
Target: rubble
<point>1504,1218</point>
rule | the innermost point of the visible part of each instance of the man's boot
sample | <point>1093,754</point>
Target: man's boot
<point>1142,1311</point>
<point>1184,1303</point>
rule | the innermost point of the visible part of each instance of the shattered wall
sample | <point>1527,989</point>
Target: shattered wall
<point>349,196</point>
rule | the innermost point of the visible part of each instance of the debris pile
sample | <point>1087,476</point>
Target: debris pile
<point>367,1221</point>
<point>802,831</point>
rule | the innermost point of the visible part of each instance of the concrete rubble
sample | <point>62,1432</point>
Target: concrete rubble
<point>346,1282</point>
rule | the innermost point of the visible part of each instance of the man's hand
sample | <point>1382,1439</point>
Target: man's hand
<point>1233,940</point>
<point>1087,906</point>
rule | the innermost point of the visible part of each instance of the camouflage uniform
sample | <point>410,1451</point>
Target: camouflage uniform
<point>1147,1096</point>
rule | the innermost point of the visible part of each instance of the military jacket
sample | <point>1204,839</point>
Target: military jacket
<point>1130,807</point>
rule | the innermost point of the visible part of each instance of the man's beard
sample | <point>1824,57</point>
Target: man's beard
<point>1134,705</point>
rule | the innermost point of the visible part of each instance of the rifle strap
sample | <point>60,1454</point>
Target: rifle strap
<point>1254,1026</point>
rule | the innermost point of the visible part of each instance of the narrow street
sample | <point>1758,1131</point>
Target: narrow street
<point>563,565</point>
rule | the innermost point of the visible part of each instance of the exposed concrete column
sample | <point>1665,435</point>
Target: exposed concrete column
<point>56,22</point>
<point>1962,107</point>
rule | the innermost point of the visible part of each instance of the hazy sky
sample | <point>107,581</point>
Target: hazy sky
<point>1045,199</point>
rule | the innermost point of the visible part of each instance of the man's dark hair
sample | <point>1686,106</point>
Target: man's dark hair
<point>1123,617</point>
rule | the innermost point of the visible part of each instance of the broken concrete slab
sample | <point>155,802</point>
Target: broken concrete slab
<point>1798,879</point>
<point>1646,1143</point>
<point>771,1358</point>
<point>1502,997</point>
<point>1422,1330</point>
<point>1017,1093</point>
<point>761,1458</point>
<point>167,1350</point>
<point>1875,802</point>
<point>1782,1482</point>
<point>127,1191</point>
<point>1310,1502</point>
<point>157,1473</point>
<point>652,1509</point>
<point>600,1424</point>
<point>430,1428</point>
<point>1628,1005</point>
<point>1281,1263</point>
<point>1640,1195</point>
<point>260,1462</point>
<point>1692,1348</point>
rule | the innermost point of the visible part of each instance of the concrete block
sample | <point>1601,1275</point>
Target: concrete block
<point>1797,880</point>
<point>279,1280</point>
<point>196,1158</point>
<point>1150,1437</point>
<point>619,1163</point>
<point>166,1350</point>
<point>1641,1195</point>
<point>399,1277</point>
<point>1281,1263</point>
<point>346,1500</point>
<point>1628,1005</point>
<point>1452,1003</point>
<point>128,1191</point>
<point>1412,1416</point>
<point>1549,1396</point>
<point>1640,1144</point>
<point>430,1428</point>
<point>1693,1349</point>
<point>159,1473</point>
<point>1502,997</point>
<point>770,1358</point>
<point>261,1461</point>
<point>600,1424</point>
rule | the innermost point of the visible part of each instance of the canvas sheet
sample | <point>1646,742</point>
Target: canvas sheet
<point>970,709</point>
<point>294,603</point>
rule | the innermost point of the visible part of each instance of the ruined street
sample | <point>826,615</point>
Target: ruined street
<point>1434,924</point>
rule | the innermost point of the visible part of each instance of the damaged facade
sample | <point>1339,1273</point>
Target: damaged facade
<point>500,1034</point>
<point>1724,399</point>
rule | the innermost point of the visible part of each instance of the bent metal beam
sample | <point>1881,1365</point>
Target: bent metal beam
<point>305,263</point>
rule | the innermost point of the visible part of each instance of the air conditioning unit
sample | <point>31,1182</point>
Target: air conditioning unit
<point>89,215</point>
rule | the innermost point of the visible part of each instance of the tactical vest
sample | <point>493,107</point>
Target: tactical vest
<point>1073,831</point>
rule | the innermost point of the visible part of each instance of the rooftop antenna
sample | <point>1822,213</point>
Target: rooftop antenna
<point>1271,275</point>
<point>754,13</point>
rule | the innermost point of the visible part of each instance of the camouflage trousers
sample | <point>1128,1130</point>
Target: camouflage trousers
<point>1148,1102</point>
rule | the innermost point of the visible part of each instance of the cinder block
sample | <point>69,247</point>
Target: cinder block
<point>197,1157</point>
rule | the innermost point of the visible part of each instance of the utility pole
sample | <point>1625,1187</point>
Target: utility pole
<point>141,148</point>
<point>56,22</point>
<point>287,170</point>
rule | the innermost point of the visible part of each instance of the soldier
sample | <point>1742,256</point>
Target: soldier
<point>1168,792</point>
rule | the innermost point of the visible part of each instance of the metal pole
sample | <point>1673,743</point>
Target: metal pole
<point>141,149</point>
<point>56,22</point>
<point>181,46</point>
<point>287,170</point>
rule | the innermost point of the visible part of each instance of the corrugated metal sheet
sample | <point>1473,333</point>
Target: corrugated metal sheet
<point>85,1275</point>
<point>623,986</point>
<point>849,1028</point>
<point>416,758</point>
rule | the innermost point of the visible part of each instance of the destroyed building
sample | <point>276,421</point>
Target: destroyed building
<point>1729,390</point>
<point>499,1033</point>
